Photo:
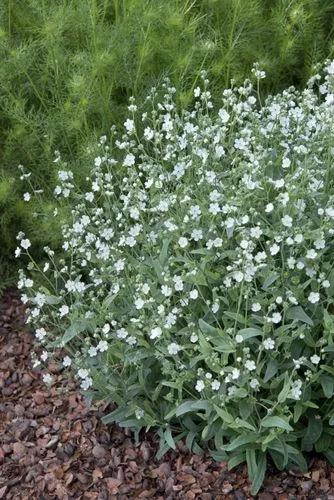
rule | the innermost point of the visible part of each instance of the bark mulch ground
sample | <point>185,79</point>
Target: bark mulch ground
<point>54,446</point>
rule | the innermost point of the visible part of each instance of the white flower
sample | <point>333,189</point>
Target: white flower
<point>215,385</point>
<point>86,383</point>
<point>315,359</point>
<point>25,244</point>
<point>139,303</point>
<point>238,276</point>
<point>269,208</point>
<point>314,297</point>
<point>178,283</point>
<point>274,249</point>
<point>197,234</point>
<point>287,221</point>
<point>223,115</point>
<point>102,346</point>
<point>97,163</point>
<point>183,242</point>
<point>330,68</point>
<point>40,333</point>
<point>47,379</point>
<point>311,254</point>
<point>129,125</point>
<point>197,92</point>
<point>155,333</point>
<point>174,348</point>
<point>44,356</point>
<point>256,232</point>
<point>119,265</point>
<point>215,307</point>
<point>199,385</point>
<point>219,151</point>
<point>330,212</point>
<point>139,413</point>
<point>286,162</point>
<point>254,383</point>
<point>106,328</point>
<point>92,351</point>
<point>193,294</point>
<point>67,361</point>
<point>83,373</point>
<point>129,160</point>
<point>276,317</point>
<point>63,311</point>
<point>239,339</point>
<point>296,390</point>
<point>256,306</point>
<point>214,208</point>
<point>319,244</point>
<point>268,344</point>
<point>193,338</point>
<point>235,374</point>
<point>89,197</point>
<point>26,196</point>
<point>166,291</point>
<point>250,365</point>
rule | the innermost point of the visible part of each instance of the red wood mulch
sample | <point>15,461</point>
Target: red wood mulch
<point>53,446</point>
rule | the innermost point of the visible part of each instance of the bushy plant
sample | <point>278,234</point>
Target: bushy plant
<point>68,68</point>
<point>196,286</point>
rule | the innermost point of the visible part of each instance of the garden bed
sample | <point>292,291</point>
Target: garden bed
<point>54,446</point>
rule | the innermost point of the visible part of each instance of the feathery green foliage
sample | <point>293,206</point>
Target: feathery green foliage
<point>69,66</point>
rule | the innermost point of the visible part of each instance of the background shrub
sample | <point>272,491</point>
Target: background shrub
<point>68,68</point>
<point>196,286</point>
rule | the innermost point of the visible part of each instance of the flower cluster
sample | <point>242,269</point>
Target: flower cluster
<point>197,270</point>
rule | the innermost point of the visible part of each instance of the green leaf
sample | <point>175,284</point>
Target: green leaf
<point>285,391</point>
<point>206,328</point>
<point>221,340</point>
<point>116,415</point>
<point>52,299</point>
<point>164,252</point>
<point>329,454</point>
<point>241,441</point>
<point>189,406</point>
<point>78,326</point>
<point>169,438</point>
<point>299,314</point>
<point>190,439</point>
<point>239,318</point>
<point>224,415</point>
<point>298,459</point>
<point>271,370</point>
<point>312,434</point>
<point>256,465</point>
<point>269,281</point>
<point>276,422</point>
<point>329,369</point>
<point>236,460</point>
<point>327,384</point>
<point>248,333</point>
<point>297,412</point>
<point>218,455</point>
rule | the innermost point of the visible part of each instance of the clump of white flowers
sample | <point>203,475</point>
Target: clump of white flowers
<point>197,272</point>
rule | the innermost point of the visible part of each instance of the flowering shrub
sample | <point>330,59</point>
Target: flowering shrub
<point>196,286</point>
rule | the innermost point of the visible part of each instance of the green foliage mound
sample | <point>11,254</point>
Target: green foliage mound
<point>196,286</point>
<point>68,68</point>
